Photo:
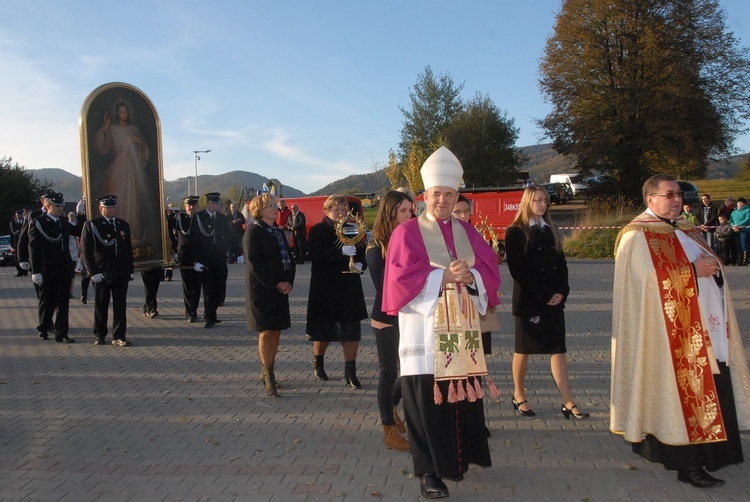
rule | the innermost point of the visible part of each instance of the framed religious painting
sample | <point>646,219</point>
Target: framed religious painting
<point>121,155</point>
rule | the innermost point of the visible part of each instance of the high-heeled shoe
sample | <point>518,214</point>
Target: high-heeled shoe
<point>517,406</point>
<point>567,412</point>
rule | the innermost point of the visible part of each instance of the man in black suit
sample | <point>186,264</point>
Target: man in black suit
<point>191,282</point>
<point>15,231</point>
<point>209,238</point>
<point>297,223</point>
<point>108,256</point>
<point>237,226</point>
<point>51,267</point>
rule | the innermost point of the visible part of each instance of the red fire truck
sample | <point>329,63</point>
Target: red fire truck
<point>312,207</point>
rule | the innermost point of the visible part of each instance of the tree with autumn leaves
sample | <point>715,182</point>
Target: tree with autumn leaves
<point>646,86</point>
<point>476,131</point>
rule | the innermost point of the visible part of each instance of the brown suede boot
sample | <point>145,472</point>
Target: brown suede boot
<point>400,425</point>
<point>394,440</point>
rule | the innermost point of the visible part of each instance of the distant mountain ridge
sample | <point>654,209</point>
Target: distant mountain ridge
<point>543,161</point>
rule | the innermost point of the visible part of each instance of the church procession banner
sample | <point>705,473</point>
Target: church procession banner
<point>121,155</point>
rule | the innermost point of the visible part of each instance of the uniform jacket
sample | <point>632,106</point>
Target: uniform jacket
<point>22,250</point>
<point>209,239</point>
<point>49,254</point>
<point>108,251</point>
<point>182,230</point>
<point>15,231</point>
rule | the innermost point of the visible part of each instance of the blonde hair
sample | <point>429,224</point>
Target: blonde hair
<point>333,200</point>
<point>260,202</point>
<point>525,214</point>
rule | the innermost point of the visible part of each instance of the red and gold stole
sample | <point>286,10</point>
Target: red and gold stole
<point>458,340</point>
<point>688,339</point>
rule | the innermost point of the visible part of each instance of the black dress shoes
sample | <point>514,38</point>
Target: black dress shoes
<point>43,335</point>
<point>432,487</point>
<point>699,478</point>
<point>209,324</point>
<point>65,340</point>
<point>98,341</point>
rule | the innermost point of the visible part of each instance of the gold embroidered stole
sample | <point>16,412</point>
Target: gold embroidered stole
<point>458,342</point>
<point>688,340</point>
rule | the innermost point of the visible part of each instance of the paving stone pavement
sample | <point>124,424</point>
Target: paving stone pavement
<point>181,415</point>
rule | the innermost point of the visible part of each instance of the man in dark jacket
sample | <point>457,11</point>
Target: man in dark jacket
<point>708,217</point>
<point>209,238</point>
<point>51,267</point>
<point>237,225</point>
<point>108,256</point>
<point>297,223</point>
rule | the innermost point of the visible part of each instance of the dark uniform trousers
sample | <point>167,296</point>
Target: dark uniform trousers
<point>118,293</point>
<point>107,251</point>
<point>191,282</point>
<point>151,279</point>
<point>49,256</point>
<point>191,292</point>
<point>208,241</point>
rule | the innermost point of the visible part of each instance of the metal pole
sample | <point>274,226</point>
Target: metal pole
<point>197,158</point>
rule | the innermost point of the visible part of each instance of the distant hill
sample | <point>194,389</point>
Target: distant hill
<point>70,184</point>
<point>543,161</point>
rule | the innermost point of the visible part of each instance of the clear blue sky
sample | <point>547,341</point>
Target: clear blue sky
<point>303,91</point>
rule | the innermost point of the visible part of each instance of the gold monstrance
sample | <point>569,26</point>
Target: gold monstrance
<point>351,241</point>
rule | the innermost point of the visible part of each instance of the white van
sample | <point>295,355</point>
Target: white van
<point>575,181</point>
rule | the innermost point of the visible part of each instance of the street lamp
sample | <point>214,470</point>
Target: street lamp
<point>197,158</point>
<point>188,180</point>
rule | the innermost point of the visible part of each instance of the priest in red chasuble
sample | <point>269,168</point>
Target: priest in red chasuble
<point>680,382</point>
<point>440,275</point>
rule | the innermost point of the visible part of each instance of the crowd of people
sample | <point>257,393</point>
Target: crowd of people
<point>436,281</point>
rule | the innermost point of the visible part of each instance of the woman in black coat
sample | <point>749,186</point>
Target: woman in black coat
<point>336,305</point>
<point>540,286</point>
<point>269,276</point>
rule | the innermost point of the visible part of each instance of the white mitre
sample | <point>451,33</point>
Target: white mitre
<point>441,169</point>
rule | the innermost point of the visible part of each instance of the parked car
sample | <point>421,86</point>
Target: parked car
<point>691,195</point>
<point>6,256</point>
<point>557,193</point>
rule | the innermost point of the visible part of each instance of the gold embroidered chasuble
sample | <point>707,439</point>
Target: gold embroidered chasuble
<point>657,320</point>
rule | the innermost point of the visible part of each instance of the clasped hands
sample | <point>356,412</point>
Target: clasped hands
<point>458,272</point>
<point>284,288</point>
<point>705,266</point>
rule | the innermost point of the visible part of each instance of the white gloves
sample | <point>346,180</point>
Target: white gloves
<point>358,266</point>
<point>198,267</point>
<point>132,277</point>
<point>174,257</point>
<point>349,250</point>
<point>37,279</point>
<point>97,278</point>
<point>240,260</point>
<point>25,265</point>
